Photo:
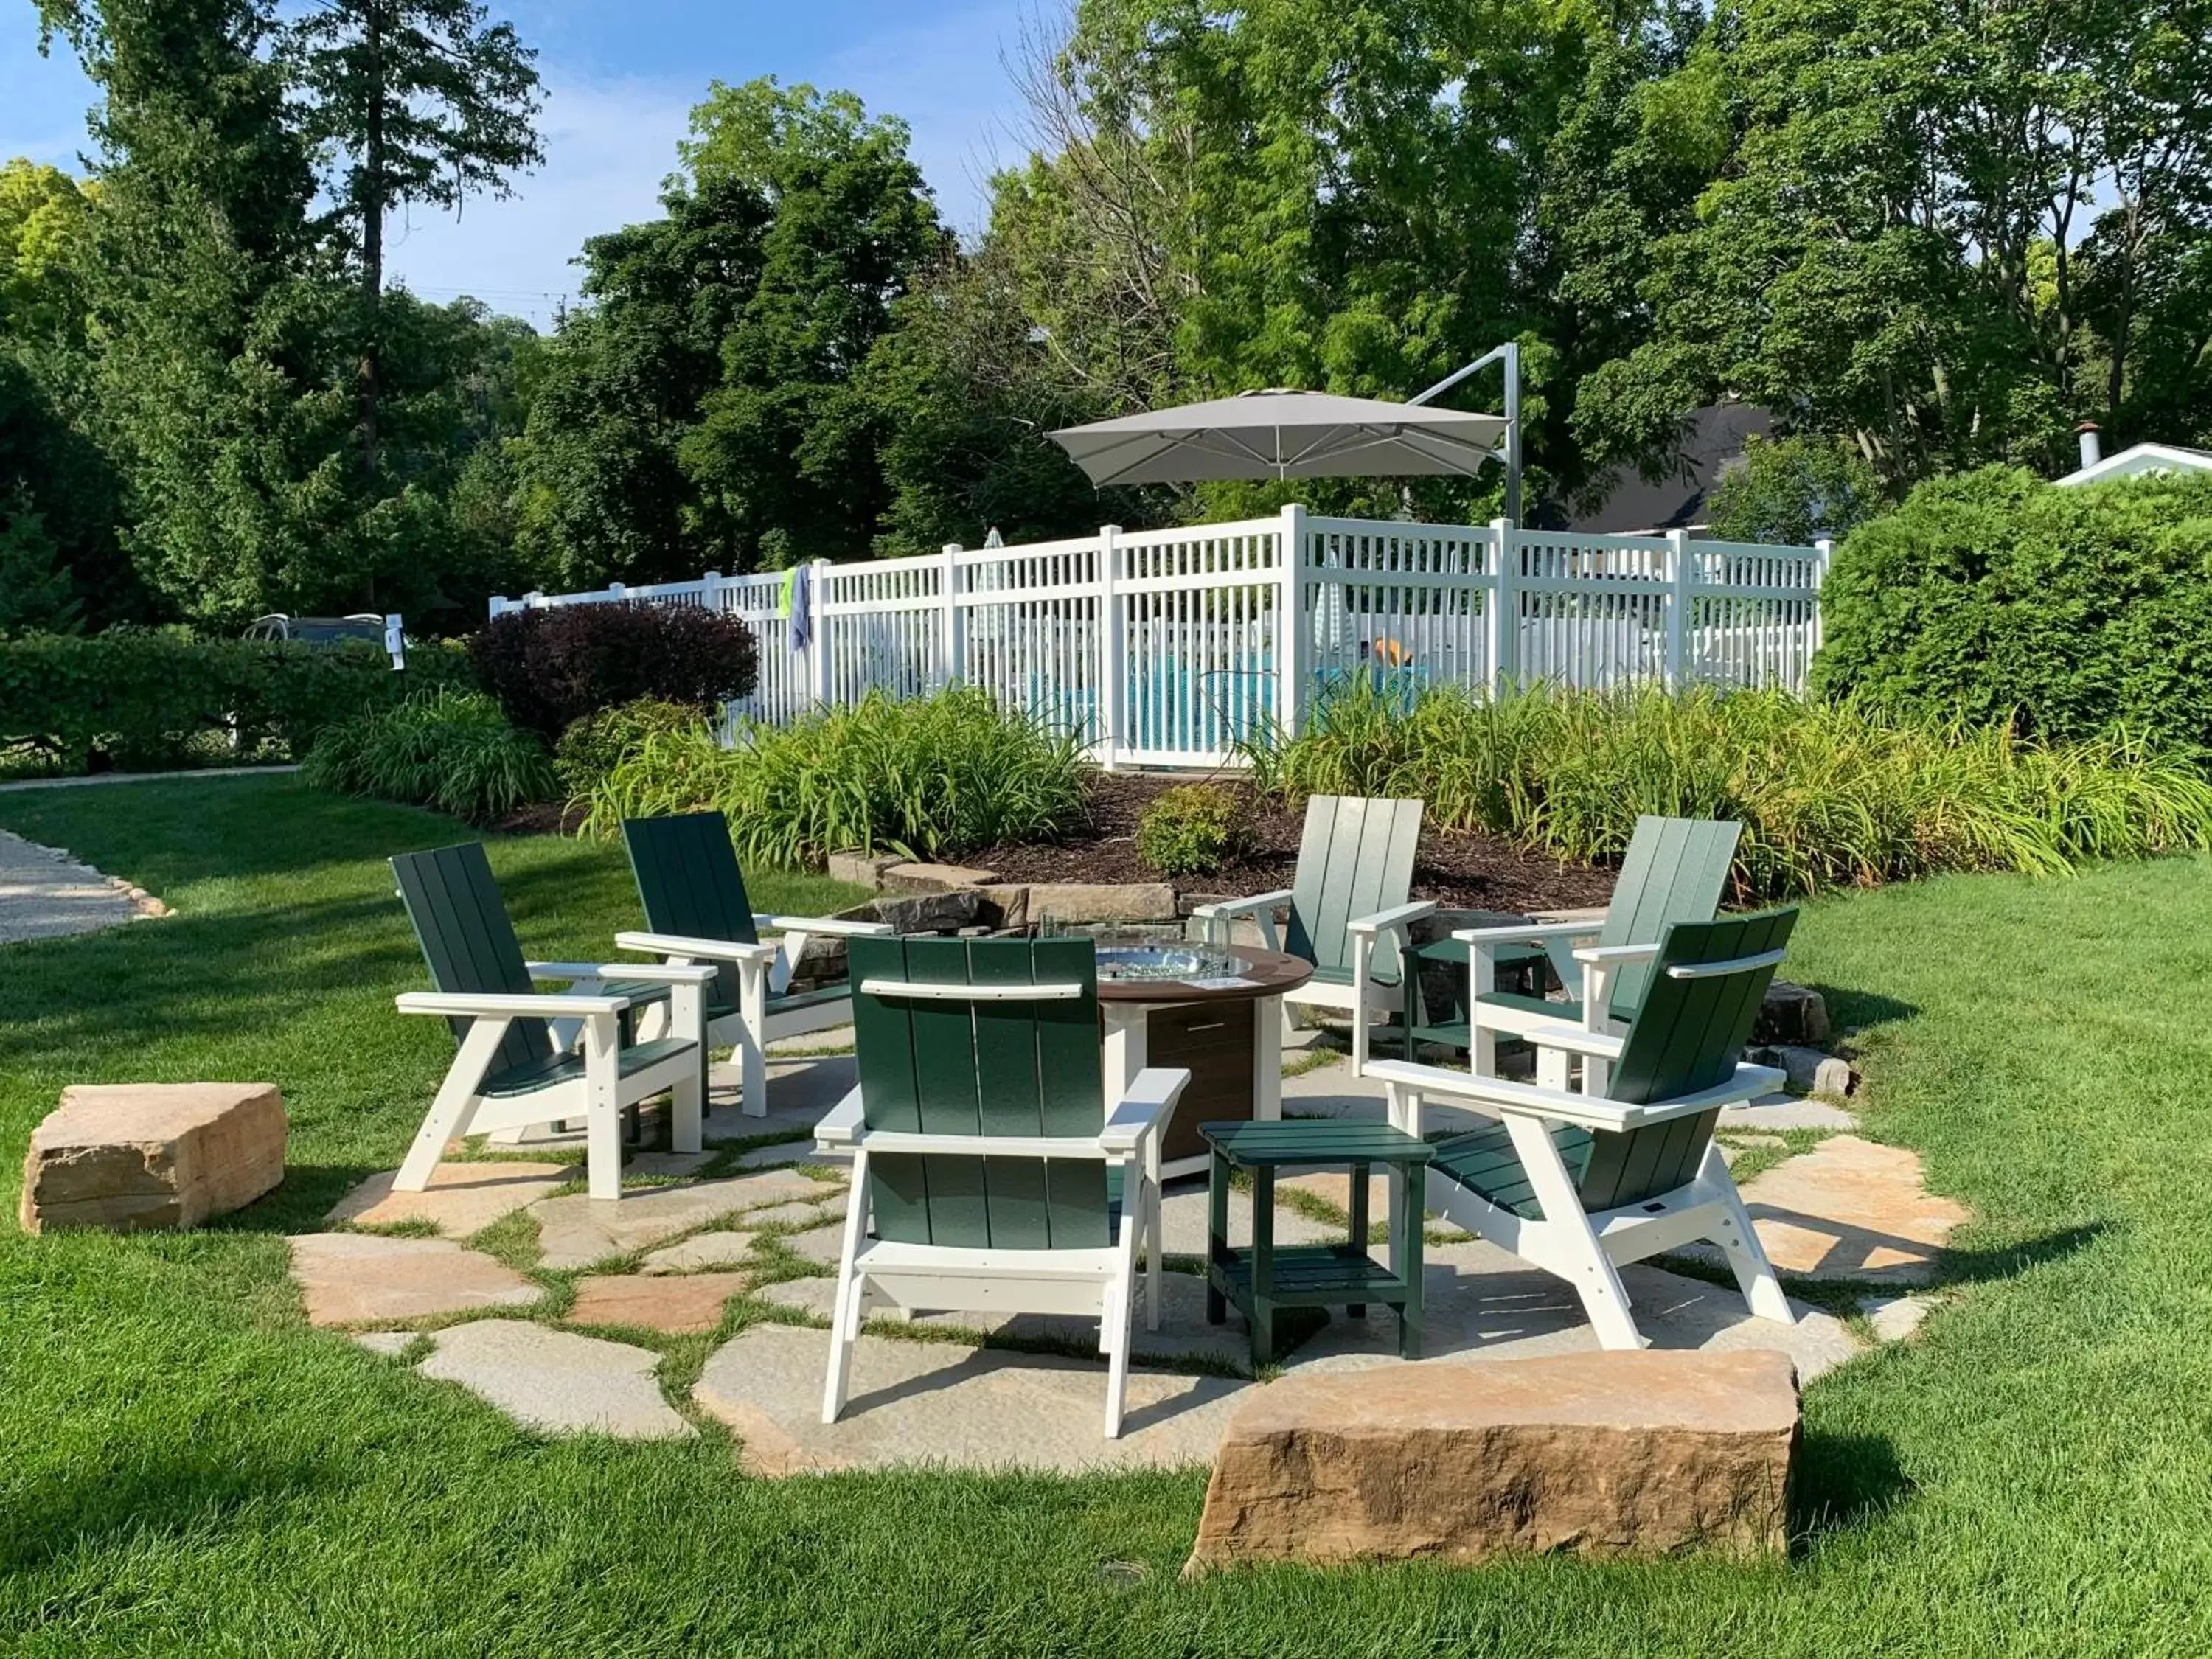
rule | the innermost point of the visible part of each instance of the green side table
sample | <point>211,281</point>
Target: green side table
<point>1266,1277</point>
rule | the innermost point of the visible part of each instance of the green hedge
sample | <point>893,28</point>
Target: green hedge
<point>1994,597</point>
<point>145,698</point>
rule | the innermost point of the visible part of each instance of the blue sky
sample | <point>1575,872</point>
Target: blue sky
<point>621,79</point>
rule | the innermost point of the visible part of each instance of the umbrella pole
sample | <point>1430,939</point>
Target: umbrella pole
<point>1509,354</point>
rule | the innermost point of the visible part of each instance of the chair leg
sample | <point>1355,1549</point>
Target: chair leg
<point>1114,1330</point>
<point>1155,1243</point>
<point>1585,1266</point>
<point>603,1108</point>
<point>1739,1242</point>
<point>688,1100</point>
<point>455,1105</point>
<point>852,1290</point>
<point>752,1040</point>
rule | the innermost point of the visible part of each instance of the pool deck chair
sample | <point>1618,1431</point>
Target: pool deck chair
<point>987,1173</point>
<point>1355,870</point>
<point>695,910</point>
<point>1579,1184</point>
<point>518,1063</point>
<point>1676,870</point>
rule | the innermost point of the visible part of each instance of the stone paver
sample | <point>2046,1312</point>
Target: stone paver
<point>823,1244</point>
<point>1786,1112</point>
<point>788,1151</point>
<point>1897,1317</point>
<point>558,1381</point>
<point>356,1279</point>
<point>461,1199</point>
<point>46,894</point>
<point>796,1215</point>
<point>676,1164</point>
<point>1334,1187</point>
<point>715,1250</point>
<point>576,1231</point>
<point>918,1402</point>
<point>1850,1209</point>
<point>1182,1222</point>
<point>676,1303</point>
<point>812,1297</point>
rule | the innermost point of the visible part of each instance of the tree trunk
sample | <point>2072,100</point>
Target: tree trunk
<point>371,197</point>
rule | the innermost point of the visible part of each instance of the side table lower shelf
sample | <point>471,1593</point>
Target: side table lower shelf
<point>1311,1276</point>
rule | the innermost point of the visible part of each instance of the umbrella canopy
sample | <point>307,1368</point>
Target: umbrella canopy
<point>1284,434</point>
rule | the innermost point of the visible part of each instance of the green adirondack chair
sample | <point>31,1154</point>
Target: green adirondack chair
<point>1676,870</point>
<point>987,1172</point>
<point>696,910</point>
<point>1347,904</point>
<point>519,1064</point>
<point>1580,1183</point>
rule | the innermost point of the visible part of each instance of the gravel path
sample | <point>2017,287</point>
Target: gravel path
<point>45,894</point>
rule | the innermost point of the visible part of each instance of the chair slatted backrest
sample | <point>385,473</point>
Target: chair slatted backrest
<point>1676,870</point>
<point>956,1067</point>
<point>460,921</point>
<point>1685,1036</point>
<point>688,881</point>
<point>1355,858</point>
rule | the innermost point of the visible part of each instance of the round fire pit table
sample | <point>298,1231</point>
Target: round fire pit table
<point>1225,1027</point>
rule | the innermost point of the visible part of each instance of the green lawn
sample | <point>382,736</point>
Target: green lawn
<point>184,1467</point>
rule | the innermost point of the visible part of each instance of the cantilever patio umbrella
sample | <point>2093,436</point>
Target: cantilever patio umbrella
<point>1284,434</point>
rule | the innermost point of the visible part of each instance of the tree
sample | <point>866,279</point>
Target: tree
<point>785,452</point>
<point>422,101</point>
<point>1794,491</point>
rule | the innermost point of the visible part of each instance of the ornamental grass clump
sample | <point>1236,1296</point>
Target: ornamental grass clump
<point>451,750</point>
<point>1829,794</point>
<point>926,779</point>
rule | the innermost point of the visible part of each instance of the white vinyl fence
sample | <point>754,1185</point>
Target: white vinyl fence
<point>1165,647</point>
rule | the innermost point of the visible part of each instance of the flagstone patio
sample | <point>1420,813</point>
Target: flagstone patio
<point>724,1251</point>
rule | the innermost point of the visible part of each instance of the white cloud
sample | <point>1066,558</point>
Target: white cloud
<point>609,143</point>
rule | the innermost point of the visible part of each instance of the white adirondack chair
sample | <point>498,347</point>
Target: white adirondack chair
<point>517,1065</point>
<point>986,1173</point>
<point>1579,1184</point>
<point>696,910</point>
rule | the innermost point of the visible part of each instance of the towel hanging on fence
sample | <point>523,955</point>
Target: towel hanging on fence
<point>798,604</point>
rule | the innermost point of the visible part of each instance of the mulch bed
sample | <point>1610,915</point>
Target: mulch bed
<point>1460,871</point>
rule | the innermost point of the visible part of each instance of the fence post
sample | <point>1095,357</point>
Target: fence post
<point>952,645</point>
<point>710,591</point>
<point>1113,647</point>
<point>534,600</point>
<point>500,604</point>
<point>1678,604</point>
<point>1501,617</point>
<point>1293,639</point>
<point>817,635</point>
<point>1826,548</point>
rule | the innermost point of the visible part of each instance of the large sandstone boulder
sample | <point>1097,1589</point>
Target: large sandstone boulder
<point>139,1156</point>
<point>1079,903</point>
<point>1606,1454</point>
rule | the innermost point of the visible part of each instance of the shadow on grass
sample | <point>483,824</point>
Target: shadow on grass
<point>1862,1010</point>
<point>177,1496</point>
<point>2010,1260</point>
<point>1843,1481</point>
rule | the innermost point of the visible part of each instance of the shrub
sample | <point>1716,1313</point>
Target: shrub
<point>453,750</point>
<point>1191,830</point>
<point>156,697</point>
<point>551,668</point>
<point>1793,491</point>
<point>1829,795</point>
<point>594,745</point>
<point>1996,599</point>
<point>938,775</point>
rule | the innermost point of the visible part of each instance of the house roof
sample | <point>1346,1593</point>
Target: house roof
<point>1712,441</point>
<point>2141,459</point>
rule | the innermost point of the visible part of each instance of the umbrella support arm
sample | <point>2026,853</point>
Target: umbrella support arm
<point>1510,356</point>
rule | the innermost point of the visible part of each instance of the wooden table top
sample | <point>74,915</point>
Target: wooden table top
<point>1262,973</point>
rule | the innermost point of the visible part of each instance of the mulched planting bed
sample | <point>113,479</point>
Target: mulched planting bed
<point>1461,871</point>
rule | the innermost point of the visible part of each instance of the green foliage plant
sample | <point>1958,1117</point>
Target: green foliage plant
<point>594,745</point>
<point>926,778</point>
<point>1829,794</point>
<point>1996,599</point>
<point>1192,829</point>
<point>453,750</point>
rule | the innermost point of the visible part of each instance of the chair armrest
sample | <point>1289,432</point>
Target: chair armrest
<point>844,1124</point>
<point>1587,1110</point>
<point>1143,1109</point>
<point>654,972</point>
<point>1536,932</point>
<point>833,925</point>
<point>1241,907</point>
<point>506,1005</point>
<point>676,944</point>
<point>1612,956</point>
<point>1391,920</point>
